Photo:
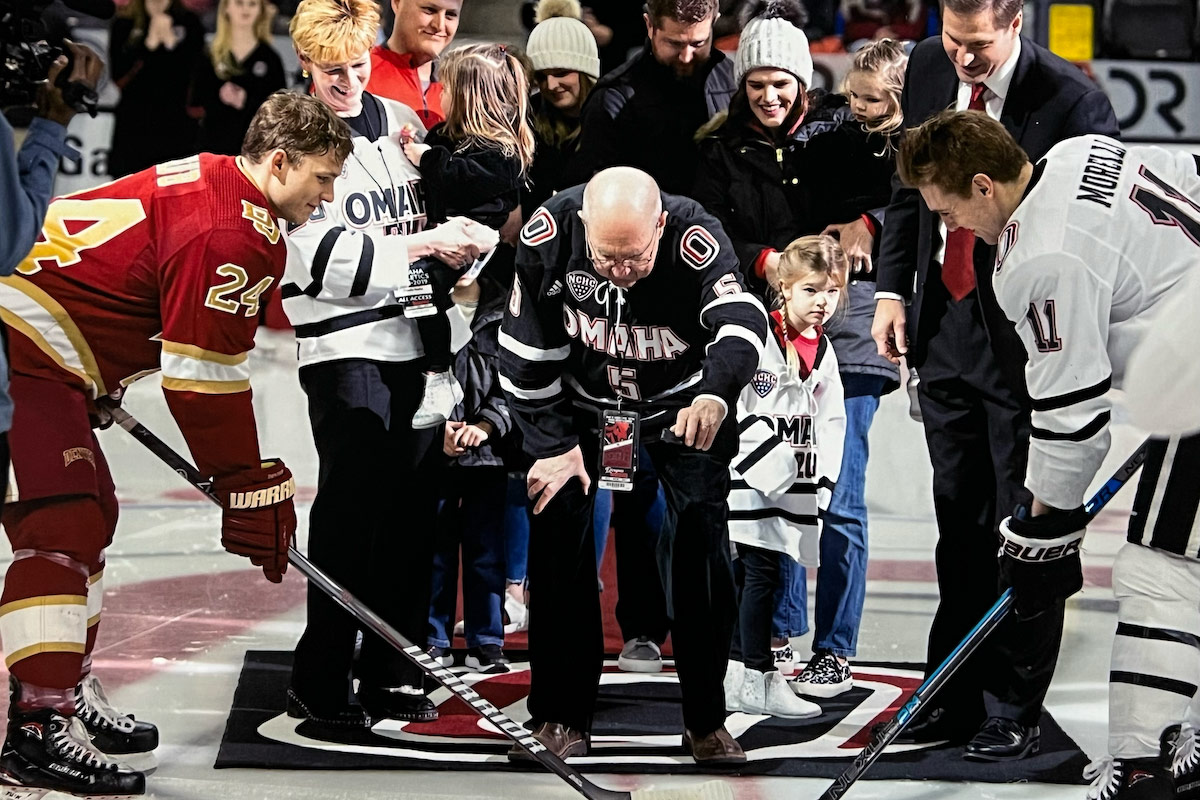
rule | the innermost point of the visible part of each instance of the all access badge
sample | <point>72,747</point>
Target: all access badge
<point>764,382</point>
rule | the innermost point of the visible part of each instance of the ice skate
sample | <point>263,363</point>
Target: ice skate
<point>47,751</point>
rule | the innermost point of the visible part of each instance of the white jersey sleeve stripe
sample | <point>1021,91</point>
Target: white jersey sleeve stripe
<point>542,393</point>
<point>531,353</point>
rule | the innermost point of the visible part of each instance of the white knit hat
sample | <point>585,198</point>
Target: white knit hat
<point>563,43</point>
<point>773,41</point>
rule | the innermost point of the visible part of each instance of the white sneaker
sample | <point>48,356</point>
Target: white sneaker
<point>785,660</point>
<point>442,394</point>
<point>735,674</point>
<point>770,694</point>
<point>518,614</point>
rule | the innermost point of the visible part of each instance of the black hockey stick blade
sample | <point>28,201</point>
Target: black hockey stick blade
<point>711,790</point>
<point>982,629</point>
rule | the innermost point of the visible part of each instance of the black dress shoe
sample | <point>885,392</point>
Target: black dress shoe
<point>403,703</point>
<point>935,726</point>
<point>327,714</point>
<point>1002,740</point>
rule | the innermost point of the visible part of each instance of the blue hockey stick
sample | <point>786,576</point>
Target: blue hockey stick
<point>982,629</point>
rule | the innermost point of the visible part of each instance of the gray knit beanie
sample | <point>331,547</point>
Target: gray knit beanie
<point>563,42</point>
<point>775,40</point>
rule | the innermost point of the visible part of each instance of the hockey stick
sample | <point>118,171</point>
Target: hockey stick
<point>997,613</point>
<point>711,790</point>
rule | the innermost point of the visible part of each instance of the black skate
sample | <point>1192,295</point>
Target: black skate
<point>46,751</point>
<point>112,732</point>
<point>1185,765</point>
<point>1134,778</point>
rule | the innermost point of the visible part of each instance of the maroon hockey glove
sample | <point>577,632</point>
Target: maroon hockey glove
<point>259,520</point>
<point>1039,558</point>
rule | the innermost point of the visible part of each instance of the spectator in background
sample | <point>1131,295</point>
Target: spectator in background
<point>566,67</point>
<point>618,28</point>
<point>871,20</point>
<point>403,67</point>
<point>241,71</point>
<point>645,113</point>
<point>154,47</point>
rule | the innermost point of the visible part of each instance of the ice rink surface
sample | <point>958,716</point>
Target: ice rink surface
<point>188,612</point>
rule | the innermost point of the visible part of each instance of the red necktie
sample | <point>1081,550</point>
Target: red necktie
<point>958,267</point>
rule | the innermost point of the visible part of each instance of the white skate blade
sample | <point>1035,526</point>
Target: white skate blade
<point>21,793</point>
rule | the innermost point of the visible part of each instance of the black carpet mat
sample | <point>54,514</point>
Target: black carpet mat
<point>637,730</point>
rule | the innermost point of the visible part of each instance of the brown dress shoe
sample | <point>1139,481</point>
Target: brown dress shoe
<point>564,742</point>
<point>717,747</point>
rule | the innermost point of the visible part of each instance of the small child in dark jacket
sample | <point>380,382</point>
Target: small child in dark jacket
<point>478,439</point>
<point>471,165</point>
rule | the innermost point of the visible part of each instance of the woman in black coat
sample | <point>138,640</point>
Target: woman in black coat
<point>241,70</point>
<point>787,163</point>
<point>153,49</point>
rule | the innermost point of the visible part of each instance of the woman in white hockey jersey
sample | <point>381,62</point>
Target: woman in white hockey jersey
<point>361,366</point>
<point>792,423</point>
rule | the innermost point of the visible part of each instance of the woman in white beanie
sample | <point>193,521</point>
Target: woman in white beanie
<point>566,67</point>
<point>787,163</point>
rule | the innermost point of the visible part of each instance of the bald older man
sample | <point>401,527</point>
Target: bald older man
<point>628,323</point>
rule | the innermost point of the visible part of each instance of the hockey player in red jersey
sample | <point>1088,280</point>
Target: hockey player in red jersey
<point>164,270</point>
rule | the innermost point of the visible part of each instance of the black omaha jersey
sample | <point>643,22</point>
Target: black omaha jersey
<point>571,339</point>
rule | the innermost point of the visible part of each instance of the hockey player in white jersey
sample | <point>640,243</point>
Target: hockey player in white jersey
<point>1091,243</point>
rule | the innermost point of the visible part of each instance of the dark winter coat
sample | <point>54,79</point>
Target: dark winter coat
<point>641,115</point>
<point>767,194</point>
<point>477,368</point>
<point>223,127</point>
<point>549,172</point>
<point>477,182</point>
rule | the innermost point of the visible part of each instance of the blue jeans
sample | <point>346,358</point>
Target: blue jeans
<point>470,516</point>
<point>516,527</point>
<point>842,578</point>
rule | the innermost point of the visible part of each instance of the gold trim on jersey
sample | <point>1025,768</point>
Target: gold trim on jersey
<point>192,351</point>
<point>185,363</point>
<point>206,387</point>
<point>27,308</point>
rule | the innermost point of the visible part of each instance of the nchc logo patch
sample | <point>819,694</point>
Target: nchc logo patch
<point>763,382</point>
<point>581,283</point>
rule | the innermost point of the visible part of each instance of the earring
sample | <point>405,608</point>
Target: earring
<point>304,73</point>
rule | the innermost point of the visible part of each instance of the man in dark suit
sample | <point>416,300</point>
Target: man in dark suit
<point>935,304</point>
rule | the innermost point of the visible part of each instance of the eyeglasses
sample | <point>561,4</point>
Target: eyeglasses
<point>628,262</point>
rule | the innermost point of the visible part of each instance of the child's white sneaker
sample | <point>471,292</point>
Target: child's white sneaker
<point>442,394</point>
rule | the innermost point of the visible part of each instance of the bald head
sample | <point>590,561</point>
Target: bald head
<point>624,217</point>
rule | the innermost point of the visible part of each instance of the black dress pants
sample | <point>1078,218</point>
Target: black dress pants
<point>566,642</point>
<point>977,428</point>
<point>371,527</point>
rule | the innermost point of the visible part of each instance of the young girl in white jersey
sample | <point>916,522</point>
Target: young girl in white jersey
<point>473,165</point>
<point>793,422</point>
